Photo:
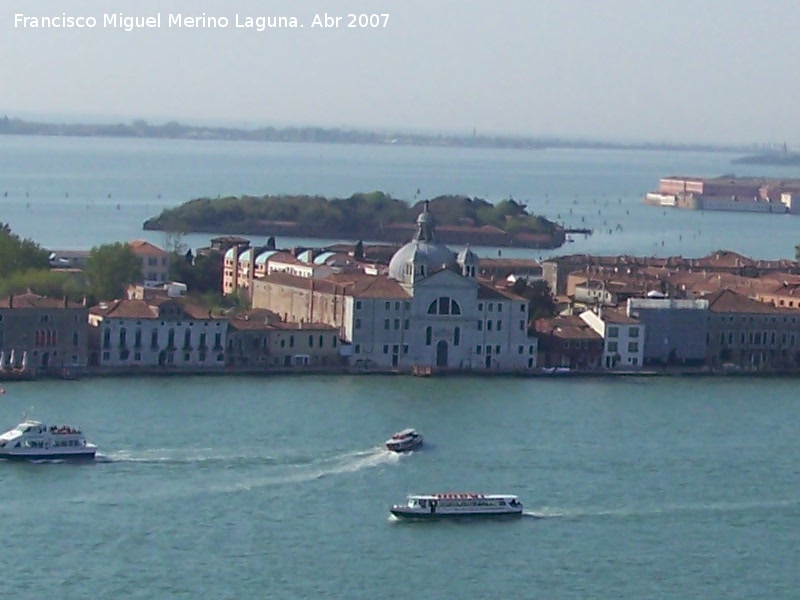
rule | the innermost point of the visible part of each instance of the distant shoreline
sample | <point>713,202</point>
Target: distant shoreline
<point>174,130</point>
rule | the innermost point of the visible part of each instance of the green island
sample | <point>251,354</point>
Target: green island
<point>374,216</point>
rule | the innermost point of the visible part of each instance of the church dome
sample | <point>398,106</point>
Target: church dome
<point>424,249</point>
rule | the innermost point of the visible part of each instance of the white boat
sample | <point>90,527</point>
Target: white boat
<point>446,506</point>
<point>32,440</point>
<point>405,440</point>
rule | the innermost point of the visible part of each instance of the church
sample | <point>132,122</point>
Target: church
<point>430,310</point>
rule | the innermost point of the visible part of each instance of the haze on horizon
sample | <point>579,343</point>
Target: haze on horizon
<point>708,71</point>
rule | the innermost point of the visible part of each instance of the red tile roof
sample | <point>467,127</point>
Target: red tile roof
<point>143,247</point>
<point>31,300</point>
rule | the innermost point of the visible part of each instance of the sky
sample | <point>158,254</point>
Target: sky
<point>678,71</point>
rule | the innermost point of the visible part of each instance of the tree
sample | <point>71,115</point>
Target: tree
<point>797,252</point>
<point>18,255</point>
<point>201,276</point>
<point>540,300</point>
<point>110,268</point>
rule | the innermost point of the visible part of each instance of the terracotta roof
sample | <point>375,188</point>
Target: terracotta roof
<point>253,320</point>
<point>486,291</point>
<point>30,300</point>
<point>358,285</point>
<point>125,309</point>
<point>570,327</point>
<point>146,309</point>
<point>143,247</point>
<point>728,301</point>
<point>618,317</point>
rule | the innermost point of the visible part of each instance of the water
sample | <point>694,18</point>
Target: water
<point>278,487</point>
<point>73,193</point>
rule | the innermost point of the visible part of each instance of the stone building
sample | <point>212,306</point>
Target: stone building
<point>42,335</point>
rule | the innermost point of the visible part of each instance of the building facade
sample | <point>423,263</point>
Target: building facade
<point>41,335</point>
<point>623,338</point>
<point>430,311</point>
<point>676,331</point>
<point>164,332</point>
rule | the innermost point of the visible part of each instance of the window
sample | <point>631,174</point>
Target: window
<point>187,339</point>
<point>202,341</point>
<point>397,306</point>
<point>499,325</point>
<point>489,325</point>
<point>171,339</point>
<point>387,305</point>
<point>522,308</point>
<point>497,349</point>
<point>386,348</point>
<point>106,338</point>
<point>633,346</point>
<point>334,340</point>
<point>405,348</point>
<point>291,341</point>
<point>74,339</point>
<point>477,349</point>
<point>396,324</point>
<point>321,339</point>
<point>358,349</point>
<point>358,304</point>
<point>499,307</point>
<point>633,332</point>
<point>491,307</point>
<point>386,324</point>
<point>522,325</point>
<point>406,305</point>
<point>405,324</point>
<point>428,334</point>
<point>358,324</point>
<point>612,346</point>
<point>457,336</point>
<point>613,332</point>
<point>444,306</point>
<point>520,349</point>
<point>480,306</point>
<point>310,341</point>
<point>480,325</point>
<point>154,339</point>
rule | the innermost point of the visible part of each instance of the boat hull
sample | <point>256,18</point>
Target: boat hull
<point>404,446</point>
<point>49,456</point>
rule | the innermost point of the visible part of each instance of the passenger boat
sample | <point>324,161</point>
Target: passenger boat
<point>446,506</point>
<point>405,440</point>
<point>32,440</point>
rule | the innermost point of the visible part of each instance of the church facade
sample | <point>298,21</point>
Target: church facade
<point>430,311</point>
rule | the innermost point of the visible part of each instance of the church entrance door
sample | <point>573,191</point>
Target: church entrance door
<point>441,354</point>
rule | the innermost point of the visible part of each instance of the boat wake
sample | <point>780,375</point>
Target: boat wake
<point>547,512</point>
<point>349,462</point>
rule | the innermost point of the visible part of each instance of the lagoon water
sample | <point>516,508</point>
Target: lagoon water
<point>73,193</point>
<point>277,487</point>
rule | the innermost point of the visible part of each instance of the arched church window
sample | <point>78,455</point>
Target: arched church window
<point>444,305</point>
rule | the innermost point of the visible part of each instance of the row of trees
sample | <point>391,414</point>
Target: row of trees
<point>110,268</point>
<point>359,212</point>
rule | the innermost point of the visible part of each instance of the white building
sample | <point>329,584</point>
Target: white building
<point>623,338</point>
<point>431,310</point>
<point>161,332</point>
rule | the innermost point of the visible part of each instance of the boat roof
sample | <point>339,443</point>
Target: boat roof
<point>461,496</point>
<point>405,432</point>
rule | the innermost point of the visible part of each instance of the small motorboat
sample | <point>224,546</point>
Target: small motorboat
<point>32,440</point>
<point>405,440</point>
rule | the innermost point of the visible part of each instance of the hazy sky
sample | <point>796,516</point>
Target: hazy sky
<point>658,70</point>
